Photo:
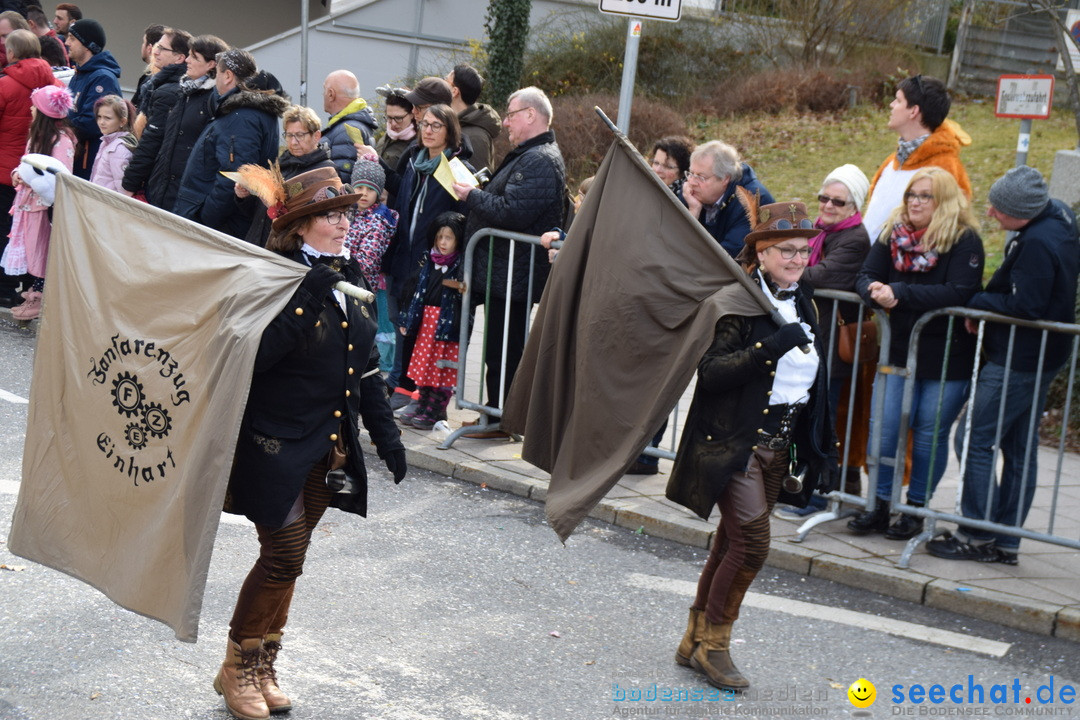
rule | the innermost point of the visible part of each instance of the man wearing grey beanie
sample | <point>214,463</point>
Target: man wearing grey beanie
<point>1036,281</point>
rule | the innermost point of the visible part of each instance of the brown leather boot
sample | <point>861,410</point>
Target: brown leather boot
<point>238,680</point>
<point>712,658</point>
<point>691,638</point>
<point>276,700</point>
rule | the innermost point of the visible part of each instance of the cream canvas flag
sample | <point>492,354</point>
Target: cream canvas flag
<point>143,364</point>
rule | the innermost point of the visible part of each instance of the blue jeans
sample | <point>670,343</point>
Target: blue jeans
<point>1001,502</point>
<point>925,412</point>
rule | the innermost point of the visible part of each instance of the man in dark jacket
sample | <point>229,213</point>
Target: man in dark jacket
<point>342,101</point>
<point>1036,281</point>
<point>96,74</point>
<point>160,94</point>
<point>479,122</point>
<point>709,192</point>
<point>527,194</point>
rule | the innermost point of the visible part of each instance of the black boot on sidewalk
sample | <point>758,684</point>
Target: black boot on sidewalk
<point>871,521</point>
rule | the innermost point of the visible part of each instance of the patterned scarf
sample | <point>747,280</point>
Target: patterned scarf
<point>908,253</point>
<point>817,243</point>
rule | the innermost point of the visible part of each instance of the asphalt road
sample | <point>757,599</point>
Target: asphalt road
<point>454,602</point>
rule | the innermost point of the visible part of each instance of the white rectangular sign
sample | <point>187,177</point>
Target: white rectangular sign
<point>1024,96</point>
<point>668,10</point>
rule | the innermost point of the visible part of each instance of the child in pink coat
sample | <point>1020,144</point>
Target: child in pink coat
<point>114,116</point>
<point>50,134</point>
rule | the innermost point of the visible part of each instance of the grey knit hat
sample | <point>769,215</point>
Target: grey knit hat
<point>368,173</point>
<point>1020,193</point>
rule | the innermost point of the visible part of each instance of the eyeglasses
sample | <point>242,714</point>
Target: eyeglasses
<point>699,177</point>
<point>432,126</point>
<point>825,200</point>
<point>334,216</point>
<point>789,252</point>
<point>511,112</point>
<point>918,198</point>
<point>397,118</point>
<point>658,164</point>
<point>162,48</point>
<point>294,136</point>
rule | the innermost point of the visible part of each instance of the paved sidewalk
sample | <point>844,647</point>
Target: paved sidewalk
<point>1040,595</point>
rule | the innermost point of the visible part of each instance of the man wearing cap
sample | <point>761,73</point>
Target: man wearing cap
<point>1036,281</point>
<point>716,170</point>
<point>525,195</point>
<point>342,101</point>
<point>429,91</point>
<point>918,115</point>
<point>96,74</point>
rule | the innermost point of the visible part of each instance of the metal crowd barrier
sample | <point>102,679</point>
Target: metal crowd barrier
<point>839,502</point>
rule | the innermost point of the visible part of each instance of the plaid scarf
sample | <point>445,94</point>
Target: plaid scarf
<point>908,254</point>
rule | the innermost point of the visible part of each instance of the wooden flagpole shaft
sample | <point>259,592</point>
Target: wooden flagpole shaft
<point>356,292</point>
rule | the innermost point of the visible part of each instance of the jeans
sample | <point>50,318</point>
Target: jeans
<point>925,442</point>
<point>1006,502</point>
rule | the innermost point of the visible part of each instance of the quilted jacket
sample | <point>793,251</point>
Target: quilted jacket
<point>528,195</point>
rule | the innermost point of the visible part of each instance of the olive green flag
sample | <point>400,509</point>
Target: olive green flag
<point>628,311</point>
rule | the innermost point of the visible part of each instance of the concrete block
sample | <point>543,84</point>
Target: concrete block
<point>884,579</point>
<point>1067,626</point>
<point>426,457</point>
<point>787,555</point>
<point>1065,178</point>
<point>1022,613</point>
<point>604,512</point>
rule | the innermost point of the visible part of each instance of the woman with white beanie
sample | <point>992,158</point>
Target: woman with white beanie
<point>836,255</point>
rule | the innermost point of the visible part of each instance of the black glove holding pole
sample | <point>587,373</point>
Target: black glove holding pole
<point>320,280</point>
<point>790,335</point>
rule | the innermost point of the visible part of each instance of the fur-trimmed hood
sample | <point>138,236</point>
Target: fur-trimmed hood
<point>269,103</point>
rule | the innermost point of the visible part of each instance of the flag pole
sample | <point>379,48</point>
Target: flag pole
<point>734,268</point>
<point>347,288</point>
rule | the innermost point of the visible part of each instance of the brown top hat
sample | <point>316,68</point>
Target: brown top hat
<point>778,221</point>
<point>313,192</point>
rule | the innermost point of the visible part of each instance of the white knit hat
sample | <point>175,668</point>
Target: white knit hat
<point>853,179</point>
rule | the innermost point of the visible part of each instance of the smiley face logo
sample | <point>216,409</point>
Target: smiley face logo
<point>862,693</point>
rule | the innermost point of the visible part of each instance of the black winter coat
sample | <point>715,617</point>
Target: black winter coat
<point>841,260</point>
<point>408,249</point>
<point>244,130</point>
<point>342,148</point>
<point>1036,281</point>
<point>161,92</point>
<point>952,282</point>
<point>310,366</point>
<point>735,379</point>
<point>527,194</point>
<point>185,123</point>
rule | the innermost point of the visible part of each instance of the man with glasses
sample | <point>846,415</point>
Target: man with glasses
<point>709,193</point>
<point>160,93</point>
<point>527,194</point>
<point>918,115</point>
<point>342,102</point>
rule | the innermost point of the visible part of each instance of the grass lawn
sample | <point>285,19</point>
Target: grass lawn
<point>793,153</point>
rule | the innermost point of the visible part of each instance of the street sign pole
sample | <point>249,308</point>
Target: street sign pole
<point>629,73</point>
<point>1023,142</point>
<point>668,10</point>
<point>1026,97</point>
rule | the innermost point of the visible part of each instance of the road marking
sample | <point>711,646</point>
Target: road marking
<point>11,397</point>
<point>837,615</point>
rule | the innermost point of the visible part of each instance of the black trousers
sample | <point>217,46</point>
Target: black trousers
<point>497,312</point>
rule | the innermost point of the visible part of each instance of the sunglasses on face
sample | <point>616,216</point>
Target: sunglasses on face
<point>825,200</point>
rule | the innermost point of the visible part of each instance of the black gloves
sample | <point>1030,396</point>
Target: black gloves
<point>787,337</point>
<point>320,279</point>
<point>395,463</point>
